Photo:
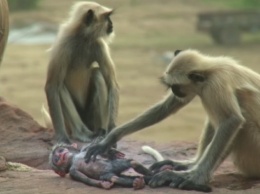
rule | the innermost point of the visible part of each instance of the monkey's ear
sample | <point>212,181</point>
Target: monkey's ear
<point>176,52</point>
<point>89,17</point>
<point>196,77</point>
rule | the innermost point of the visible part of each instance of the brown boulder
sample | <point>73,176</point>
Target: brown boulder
<point>22,138</point>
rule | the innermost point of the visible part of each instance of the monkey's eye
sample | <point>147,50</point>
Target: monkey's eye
<point>60,150</point>
<point>196,77</point>
<point>56,159</point>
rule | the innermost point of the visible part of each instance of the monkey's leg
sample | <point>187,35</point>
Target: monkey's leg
<point>78,176</point>
<point>125,181</point>
<point>56,112</point>
<point>205,139</point>
<point>198,177</point>
<point>107,69</point>
<point>78,128</point>
<point>96,115</point>
<point>140,168</point>
<point>113,102</point>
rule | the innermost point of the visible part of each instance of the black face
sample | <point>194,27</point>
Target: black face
<point>176,90</point>
<point>109,26</point>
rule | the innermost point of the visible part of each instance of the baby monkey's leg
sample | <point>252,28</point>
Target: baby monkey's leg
<point>125,181</point>
<point>140,168</point>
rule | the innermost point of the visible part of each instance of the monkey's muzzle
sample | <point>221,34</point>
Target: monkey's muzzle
<point>176,90</point>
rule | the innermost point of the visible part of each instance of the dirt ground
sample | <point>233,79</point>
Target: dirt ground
<point>25,148</point>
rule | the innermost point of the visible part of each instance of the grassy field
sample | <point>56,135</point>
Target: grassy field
<point>145,29</point>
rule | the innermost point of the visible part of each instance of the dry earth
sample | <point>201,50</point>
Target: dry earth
<point>25,141</point>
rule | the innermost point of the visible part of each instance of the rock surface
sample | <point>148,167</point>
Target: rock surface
<point>23,140</point>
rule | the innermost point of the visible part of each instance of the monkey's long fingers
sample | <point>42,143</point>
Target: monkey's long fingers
<point>89,154</point>
<point>94,151</point>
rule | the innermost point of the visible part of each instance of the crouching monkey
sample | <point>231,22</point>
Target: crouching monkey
<point>81,86</point>
<point>230,94</point>
<point>104,172</point>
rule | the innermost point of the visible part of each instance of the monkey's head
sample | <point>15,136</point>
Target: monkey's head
<point>92,19</point>
<point>60,158</point>
<point>186,73</point>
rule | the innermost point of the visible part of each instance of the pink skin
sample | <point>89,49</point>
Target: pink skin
<point>166,167</point>
<point>106,184</point>
<point>63,157</point>
<point>138,183</point>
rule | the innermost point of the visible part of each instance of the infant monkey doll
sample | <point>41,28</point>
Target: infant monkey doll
<point>104,172</point>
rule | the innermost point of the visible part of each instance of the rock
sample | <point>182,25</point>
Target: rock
<point>22,139</point>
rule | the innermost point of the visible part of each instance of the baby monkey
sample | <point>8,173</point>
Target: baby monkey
<point>104,172</point>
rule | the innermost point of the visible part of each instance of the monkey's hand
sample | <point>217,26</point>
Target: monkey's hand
<point>138,183</point>
<point>94,150</point>
<point>181,180</point>
<point>106,184</point>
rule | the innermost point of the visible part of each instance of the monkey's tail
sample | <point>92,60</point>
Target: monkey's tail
<point>153,152</point>
<point>46,117</point>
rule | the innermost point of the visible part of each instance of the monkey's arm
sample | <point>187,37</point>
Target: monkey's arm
<point>107,67</point>
<point>156,113</point>
<point>79,176</point>
<point>228,115</point>
<point>205,140</point>
<point>52,88</point>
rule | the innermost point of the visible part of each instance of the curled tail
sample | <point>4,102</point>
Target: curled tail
<point>149,150</point>
<point>46,117</point>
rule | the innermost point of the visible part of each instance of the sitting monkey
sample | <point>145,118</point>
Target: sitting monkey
<point>104,172</point>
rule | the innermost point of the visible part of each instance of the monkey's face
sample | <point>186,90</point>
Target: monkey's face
<point>109,25</point>
<point>61,156</point>
<point>182,76</point>
<point>95,18</point>
<point>61,159</point>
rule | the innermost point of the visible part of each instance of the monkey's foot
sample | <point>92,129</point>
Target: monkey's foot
<point>106,184</point>
<point>138,183</point>
<point>177,180</point>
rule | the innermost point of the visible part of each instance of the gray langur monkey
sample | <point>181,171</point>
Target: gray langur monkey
<point>230,94</point>
<point>81,87</point>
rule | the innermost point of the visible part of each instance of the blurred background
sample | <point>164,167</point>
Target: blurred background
<point>147,33</point>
